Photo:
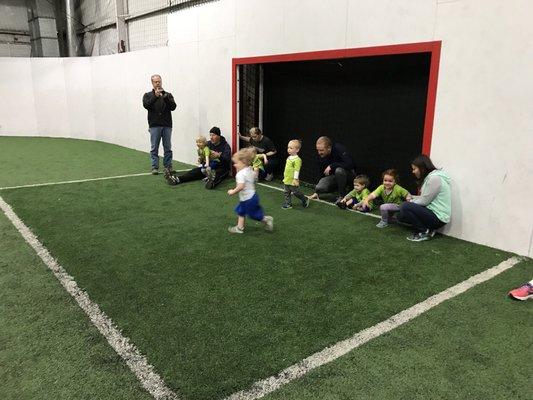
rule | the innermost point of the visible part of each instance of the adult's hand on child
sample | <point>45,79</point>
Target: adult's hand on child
<point>327,171</point>
<point>295,182</point>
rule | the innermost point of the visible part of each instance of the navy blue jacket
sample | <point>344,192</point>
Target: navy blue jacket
<point>222,147</point>
<point>339,157</point>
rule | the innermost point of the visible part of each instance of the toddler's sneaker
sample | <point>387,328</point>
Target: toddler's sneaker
<point>286,206</point>
<point>235,229</point>
<point>269,223</point>
<point>341,204</point>
<point>524,292</point>
<point>305,203</point>
<point>382,224</point>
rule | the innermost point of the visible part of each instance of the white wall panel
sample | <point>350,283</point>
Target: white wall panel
<point>214,76</point>
<point>183,26</point>
<point>109,96</point>
<point>78,85</point>
<point>50,97</point>
<point>484,124</point>
<point>17,108</point>
<point>259,27</point>
<point>324,28</point>
<point>183,65</point>
<point>379,22</point>
<point>216,20</point>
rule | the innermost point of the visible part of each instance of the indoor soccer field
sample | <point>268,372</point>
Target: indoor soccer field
<point>214,313</point>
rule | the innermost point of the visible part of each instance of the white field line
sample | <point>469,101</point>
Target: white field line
<point>329,354</point>
<point>324,202</point>
<point>137,363</point>
<point>80,180</point>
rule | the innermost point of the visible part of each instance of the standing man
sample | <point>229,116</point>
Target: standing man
<point>263,145</point>
<point>337,167</point>
<point>159,105</point>
<point>220,149</point>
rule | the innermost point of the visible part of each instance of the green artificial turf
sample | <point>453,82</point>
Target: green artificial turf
<point>474,346</point>
<point>30,160</point>
<point>48,347</point>
<point>215,312</point>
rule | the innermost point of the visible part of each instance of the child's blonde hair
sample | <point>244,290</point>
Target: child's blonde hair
<point>246,155</point>
<point>297,143</point>
<point>362,180</point>
<point>201,139</point>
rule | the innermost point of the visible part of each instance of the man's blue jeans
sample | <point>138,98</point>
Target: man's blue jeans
<point>156,134</point>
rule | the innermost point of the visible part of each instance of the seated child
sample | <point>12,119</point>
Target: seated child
<point>355,198</point>
<point>291,176</point>
<point>248,199</point>
<point>392,195</point>
<point>204,157</point>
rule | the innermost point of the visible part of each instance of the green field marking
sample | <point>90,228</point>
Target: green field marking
<point>215,312</point>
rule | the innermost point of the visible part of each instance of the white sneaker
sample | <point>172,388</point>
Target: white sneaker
<point>269,223</point>
<point>269,177</point>
<point>235,229</point>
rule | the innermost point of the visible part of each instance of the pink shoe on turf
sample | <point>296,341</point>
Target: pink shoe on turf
<point>524,292</point>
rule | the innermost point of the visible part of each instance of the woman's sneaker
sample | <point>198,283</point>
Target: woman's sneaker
<point>286,206</point>
<point>382,224</point>
<point>421,236</point>
<point>524,292</point>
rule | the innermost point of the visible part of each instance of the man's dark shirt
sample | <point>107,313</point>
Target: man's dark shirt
<point>159,108</point>
<point>339,157</point>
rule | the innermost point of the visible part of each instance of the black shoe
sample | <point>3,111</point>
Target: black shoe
<point>210,183</point>
<point>171,178</point>
<point>339,203</point>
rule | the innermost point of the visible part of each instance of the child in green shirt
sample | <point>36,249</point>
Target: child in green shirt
<point>205,162</point>
<point>291,176</point>
<point>392,195</point>
<point>258,165</point>
<point>355,198</point>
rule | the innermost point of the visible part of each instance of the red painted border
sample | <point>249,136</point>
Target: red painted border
<point>424,47</point>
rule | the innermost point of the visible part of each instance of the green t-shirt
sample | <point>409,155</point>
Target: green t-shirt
<point>360,196</point>
<point>258,163</point>
<point>292,165</point>
<point>396,196</point>
<point>205,153</point>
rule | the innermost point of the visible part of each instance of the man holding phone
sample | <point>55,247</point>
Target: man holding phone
<point>159,104</point>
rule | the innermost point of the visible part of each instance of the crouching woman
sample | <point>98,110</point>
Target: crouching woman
<point>431,209</point>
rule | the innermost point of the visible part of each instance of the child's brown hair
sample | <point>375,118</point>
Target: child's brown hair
<point>391,172</point>
<point>362,180</point>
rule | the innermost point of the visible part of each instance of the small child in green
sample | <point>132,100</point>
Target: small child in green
<point>355,198</point>
<point>291,176</point>
<point>392,195</point>
<point>205,162</point>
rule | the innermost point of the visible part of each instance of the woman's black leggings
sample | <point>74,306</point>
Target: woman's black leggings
<point>420,217</point>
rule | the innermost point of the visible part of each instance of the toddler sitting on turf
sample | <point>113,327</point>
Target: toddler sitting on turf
<point>291,176</point>
<point>355,198</point>
<point>248,199</point>
<point>205,162</point>
<point>392,195</point>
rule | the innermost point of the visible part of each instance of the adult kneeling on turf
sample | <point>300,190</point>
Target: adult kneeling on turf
<point>219,149</point>
<point>337,167</point>
<point>430,210</point>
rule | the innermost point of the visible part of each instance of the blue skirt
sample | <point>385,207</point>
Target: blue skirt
<point>251,208</point>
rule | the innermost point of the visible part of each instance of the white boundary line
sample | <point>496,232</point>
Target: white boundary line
<point>265,386</point>
<point>324,202</point>
<point>81,180</point>
<point>137,363</point>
